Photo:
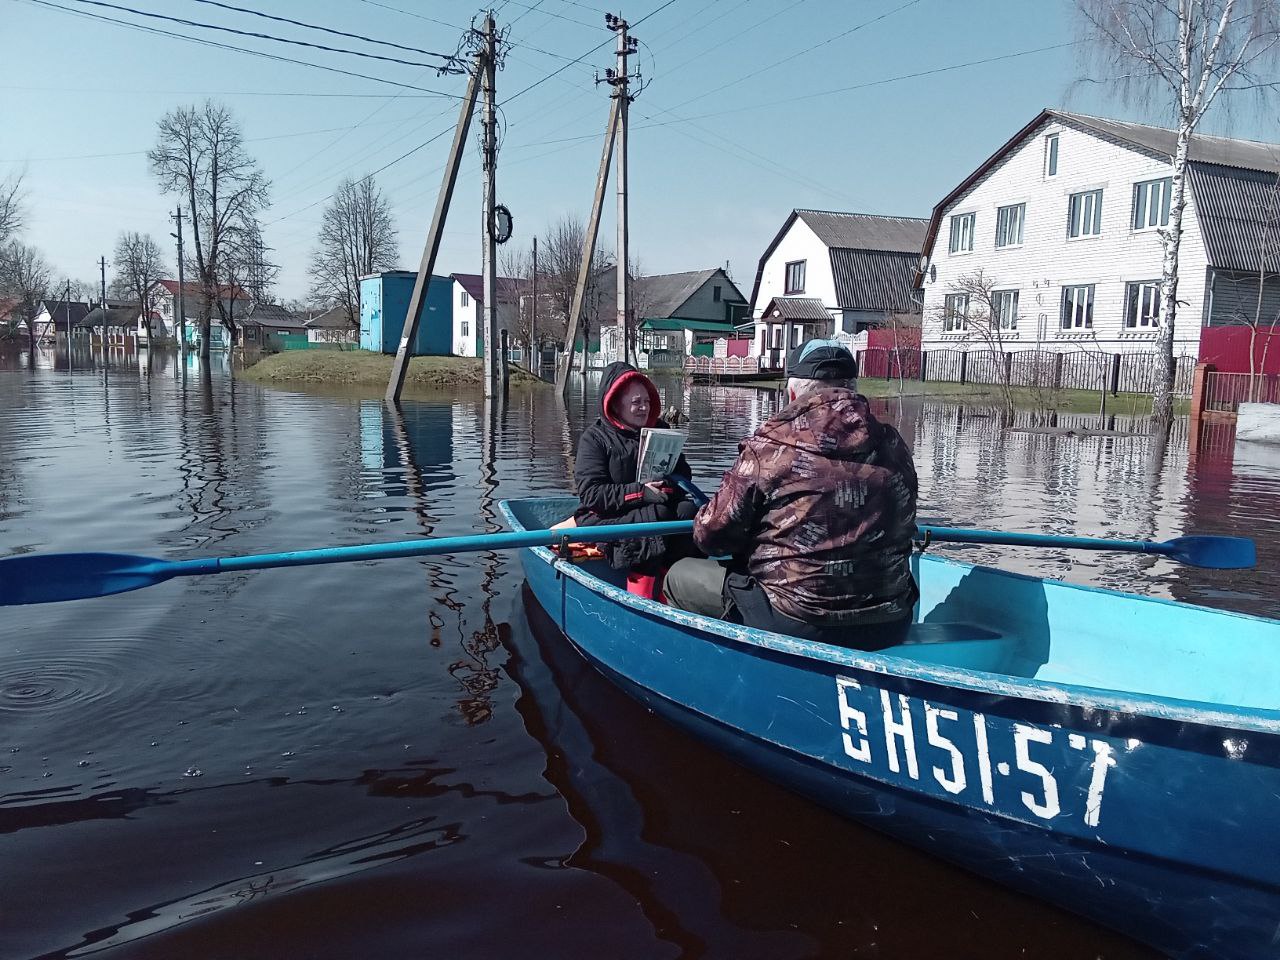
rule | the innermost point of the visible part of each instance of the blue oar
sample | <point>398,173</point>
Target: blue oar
<point>1216,553</point>
<point>51,577</point>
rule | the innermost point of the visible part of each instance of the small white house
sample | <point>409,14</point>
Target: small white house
<point>828,273</point>
<point>468,314</point>
<point>1064,224</point>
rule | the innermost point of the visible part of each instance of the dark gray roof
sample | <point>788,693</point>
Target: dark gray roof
<point>795,308</point>
<point>874,280</point>
<point>125,316</point>
<point>865,231</point>
<point>335,318</point>
<point>273,315</point>
<point>58,310</point>
<point>1234,207</point>
<point>662,295</point>
<point>1223,151</point>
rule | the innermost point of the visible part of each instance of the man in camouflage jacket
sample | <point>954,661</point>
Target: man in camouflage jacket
<point>817,514</point>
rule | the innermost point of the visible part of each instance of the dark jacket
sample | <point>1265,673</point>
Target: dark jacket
<point>605,473</point>
<point>821,507</point>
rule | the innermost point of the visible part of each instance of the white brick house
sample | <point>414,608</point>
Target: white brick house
<point>1064,221</point>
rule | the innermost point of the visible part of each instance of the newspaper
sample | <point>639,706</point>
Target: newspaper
<point>659,453</point>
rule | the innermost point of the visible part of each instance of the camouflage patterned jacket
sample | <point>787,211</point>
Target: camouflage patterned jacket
<point>821,506</point>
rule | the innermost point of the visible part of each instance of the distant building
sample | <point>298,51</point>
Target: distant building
<point>335,325</point>
<point>384,303</point>
<point>270,326</point>
<point>1064,222</point>
<point>468,314</point>
<point>236,302</point>
<point>676,314</point>
<point>828,273</point>
<point>53,315</point>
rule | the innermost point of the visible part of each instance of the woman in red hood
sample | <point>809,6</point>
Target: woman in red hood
<point>605,472</point>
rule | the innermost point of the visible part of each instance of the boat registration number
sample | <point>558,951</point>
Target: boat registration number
<point>917,739</point>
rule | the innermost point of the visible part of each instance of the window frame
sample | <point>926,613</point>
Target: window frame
<point>998,321</point>
<point>1001,212</point>
<point>1164,207</point>
<point>1067,291</point>
<point>953,320</point>
<point>466,299</point>
<point>1078,198</point>
<point>799,267</point>
<point>957,237</point>
<point>1133,305</point>
<point>466,328</point>
<point>1052,154</point>
<point>715,294</point>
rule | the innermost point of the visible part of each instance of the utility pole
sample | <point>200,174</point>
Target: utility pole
<point>414,314</point>
<point>66,303</point>
<point>181,304</point>
<point>535,354</point>
<point>495,359</point>
<point>619,79</point>
<point>588,251</point>
<point>102,265</point>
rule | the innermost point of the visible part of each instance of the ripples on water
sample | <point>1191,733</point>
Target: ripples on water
<point>404,758</point>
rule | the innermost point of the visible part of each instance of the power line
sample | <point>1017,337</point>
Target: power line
<point>116,91</point>
<point>254,34</point>
<point>410,13</point>
<point>225,46</point>
<point>337,33</point>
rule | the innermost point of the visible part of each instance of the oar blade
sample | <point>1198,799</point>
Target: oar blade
<point>1216,553</point>
<point>54,577</point>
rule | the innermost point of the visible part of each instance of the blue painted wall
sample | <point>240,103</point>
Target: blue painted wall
<point>384,301</point>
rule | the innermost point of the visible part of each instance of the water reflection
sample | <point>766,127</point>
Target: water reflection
<point>316,723</point>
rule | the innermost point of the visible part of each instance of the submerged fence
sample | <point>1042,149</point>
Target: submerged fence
<point>1043,369</point>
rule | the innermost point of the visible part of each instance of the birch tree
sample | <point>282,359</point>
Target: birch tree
<point>1182,55</point>
<point>200,156</point>
<point>11,207</point>
<point>357,237</point>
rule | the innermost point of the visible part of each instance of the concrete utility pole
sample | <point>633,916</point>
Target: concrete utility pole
<point>181,306</point>
<point>66,303</point>
<point>588,251</point>
<point>495,358</point>
<point>620,81</point>
<point>414,315</point>
<point>102,265</point>
<point>535,354</point>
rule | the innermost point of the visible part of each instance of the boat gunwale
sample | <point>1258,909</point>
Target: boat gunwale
<point>1201,713</point>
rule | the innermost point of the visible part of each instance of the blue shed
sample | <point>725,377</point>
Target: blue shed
<point>384,301</point>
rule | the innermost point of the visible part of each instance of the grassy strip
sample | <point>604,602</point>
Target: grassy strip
<point>364,368</point>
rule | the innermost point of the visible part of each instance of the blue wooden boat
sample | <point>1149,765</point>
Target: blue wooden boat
<point>1117,755</point>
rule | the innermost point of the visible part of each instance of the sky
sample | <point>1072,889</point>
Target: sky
<point>751,108</point>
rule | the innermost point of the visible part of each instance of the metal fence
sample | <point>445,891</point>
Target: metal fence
<point>1224,392</point>
<point>1045,369</point>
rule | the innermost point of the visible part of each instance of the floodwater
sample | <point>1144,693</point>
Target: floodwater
<point>405,758</point>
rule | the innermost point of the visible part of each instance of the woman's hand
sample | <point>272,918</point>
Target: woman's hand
<point>656,493</point>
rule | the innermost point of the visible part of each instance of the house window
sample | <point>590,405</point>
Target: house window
<point>795,276</point>
<point>1084,214</point>
<point>777,337</point>
<point>955,312</point>
<point>466,300</point>
<point>1051,155</point>
<point>1151,203</point>
<point>1077,307</point>
<point>1142,304</point>
<point>1004,306</point>
<point>1009,225</point>
<point>715,294</point>
<point>962,233</point>
<point>466,326</point>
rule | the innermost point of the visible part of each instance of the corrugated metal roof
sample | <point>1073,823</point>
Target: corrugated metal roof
<point>865,231</point>
<point>335,318</point>
<point>662,295</point>
<point>795,308</point>
<point>1223,151</point>
<point>508,288</point>
<point>116,316</point>
<point>676,323</point>
<point>1235,207</point>
<point>59,309</point>
<point>874,280</point>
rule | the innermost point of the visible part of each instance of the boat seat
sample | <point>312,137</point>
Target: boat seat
<point>946,633</point>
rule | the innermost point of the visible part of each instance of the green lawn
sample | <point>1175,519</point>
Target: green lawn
<point>363,368</point>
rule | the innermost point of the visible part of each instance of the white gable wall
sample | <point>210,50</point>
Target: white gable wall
<point>798,243</point>
<point>1047,260</point>
<point>466,321</point>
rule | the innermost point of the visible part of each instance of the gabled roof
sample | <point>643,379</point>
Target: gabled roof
<point>1232,157</point>
<point>851,231</point>
<point>874,280</point>
<point>508,288</point>
<point>125,316</point>
<point>794,308</point>
<point>59,310</point>
<point>697,326</point>
<point>663,294</point>
<point>189,289</point>
<point>335,318</point>
<point>273,315</point>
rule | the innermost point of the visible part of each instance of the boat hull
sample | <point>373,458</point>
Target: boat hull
<point>1156,822</point>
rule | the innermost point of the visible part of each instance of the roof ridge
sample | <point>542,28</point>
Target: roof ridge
<point>857,213</point>
<point>1153,126</point>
